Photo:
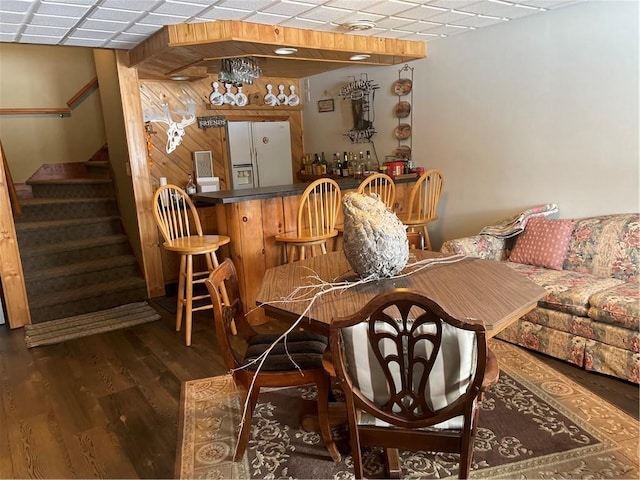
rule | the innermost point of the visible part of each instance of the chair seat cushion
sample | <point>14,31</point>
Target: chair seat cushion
<point>304,348</point>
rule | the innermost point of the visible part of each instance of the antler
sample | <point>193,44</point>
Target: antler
<point>176,129</point>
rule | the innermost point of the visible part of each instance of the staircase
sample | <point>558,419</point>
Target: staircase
<point>75,255</point>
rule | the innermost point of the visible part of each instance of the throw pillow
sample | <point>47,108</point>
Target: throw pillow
<point>544,243</point>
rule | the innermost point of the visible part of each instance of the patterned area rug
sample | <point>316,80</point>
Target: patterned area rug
<point>56,331</point>
<point>535,423</point>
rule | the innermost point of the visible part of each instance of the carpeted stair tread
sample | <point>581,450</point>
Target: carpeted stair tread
<point>75,245</point>
<point>67,201</point>
<point>56,331</point>
<point>24,226</point>
<point>70,181</point>
<point>76,294</point>
<point>82,267</point>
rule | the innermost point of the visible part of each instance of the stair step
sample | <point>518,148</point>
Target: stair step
<point>77,301</point>
<point>72,188</point>
<point>32,234</point>
<point>81,274</point>
<point>41,209</point>
<point>90,291</point>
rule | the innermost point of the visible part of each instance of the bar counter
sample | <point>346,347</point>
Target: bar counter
<point>241,195</point>
<point>252,218</point>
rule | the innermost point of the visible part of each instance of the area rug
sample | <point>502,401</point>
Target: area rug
<point>535,423</point>
<point>56,331</point>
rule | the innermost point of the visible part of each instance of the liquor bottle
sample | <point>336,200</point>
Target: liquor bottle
<point>369,165</point>
<point>345,165</point>
<point>323,164</point>
<point>191,187</point>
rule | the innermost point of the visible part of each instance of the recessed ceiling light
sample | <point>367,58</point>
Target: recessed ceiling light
<point>179,78</point>
<point>362,56</point>
<point>285,51</point>
<point>359,25</point>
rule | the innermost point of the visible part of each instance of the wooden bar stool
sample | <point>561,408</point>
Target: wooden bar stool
<point>382,185</point>
<point>172,207</point>
<point>423,201</point>
<point>316,222</point>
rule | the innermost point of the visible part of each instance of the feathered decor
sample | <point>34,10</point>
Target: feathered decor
<point>375,240</point>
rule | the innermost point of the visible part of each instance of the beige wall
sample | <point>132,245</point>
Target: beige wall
<point>536,110</point>
<point>34,76</point>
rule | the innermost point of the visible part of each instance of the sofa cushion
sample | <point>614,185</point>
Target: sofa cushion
<point>606,246</point>
<point>543,243</point>
<point>567,291</point>
<point>619,305</point>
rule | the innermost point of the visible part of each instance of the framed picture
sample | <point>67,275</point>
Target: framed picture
<point>325,105</point>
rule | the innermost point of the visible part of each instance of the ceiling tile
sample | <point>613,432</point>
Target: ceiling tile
<point>515,11</point>
<point>39,39</point>
<point>326,14</point>
<point>135,5</point>
<point>92,24</point>
<point>481,7</point>
<point>182,9</point>
<point>63,10</point>
<point>92,34</point>
<point>15,6</point>
<point>449,17</point>
<point>453,4</point>
<point>82,42</point>
<point>9,28</point>
<point>421,13</point>
<point>290,9</point>
<point>222,13</point>
<point>352,4</point>
<point>53,21</point>
<point>480,21</point>
<point>114,14</point>
<point>391,7</point>
<point>394,22</point>
<point>256,5</point>
<point>6,17</point>
<point>266,18</point>
<point>45,31</point>
<point>158,19</point>
<point>142,29</point>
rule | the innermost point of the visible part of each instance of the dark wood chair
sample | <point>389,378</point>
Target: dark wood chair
<point>304,348</point>
<point>412,376</point>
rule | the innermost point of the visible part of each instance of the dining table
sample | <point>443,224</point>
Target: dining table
<point>312,292</point>
<point>316,290</point>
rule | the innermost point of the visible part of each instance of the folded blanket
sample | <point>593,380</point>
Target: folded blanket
<point>515,225</point>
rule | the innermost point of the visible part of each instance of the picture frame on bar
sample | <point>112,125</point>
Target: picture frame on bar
<point>325,105</point>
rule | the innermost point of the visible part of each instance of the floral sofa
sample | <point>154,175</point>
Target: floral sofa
<point>590,316</point>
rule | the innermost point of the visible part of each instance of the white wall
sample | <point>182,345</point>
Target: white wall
<point>537,110</point>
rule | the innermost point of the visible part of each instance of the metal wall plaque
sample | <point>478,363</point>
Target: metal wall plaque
<point>216,121</point>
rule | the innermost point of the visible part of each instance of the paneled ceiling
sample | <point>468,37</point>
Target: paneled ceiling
<point>123,24</point>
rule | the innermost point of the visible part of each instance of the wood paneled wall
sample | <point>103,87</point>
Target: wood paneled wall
<point>177,165</point>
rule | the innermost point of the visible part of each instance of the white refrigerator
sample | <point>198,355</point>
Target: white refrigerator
<point>260,154</point>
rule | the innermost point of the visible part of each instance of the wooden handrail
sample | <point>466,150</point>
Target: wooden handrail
<point>35,111</point>
<point>13,195</point>
<point>91,85</point>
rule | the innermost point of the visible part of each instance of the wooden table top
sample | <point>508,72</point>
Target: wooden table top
<point>469,288</point>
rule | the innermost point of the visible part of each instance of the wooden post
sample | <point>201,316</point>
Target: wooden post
<point>13,287</point>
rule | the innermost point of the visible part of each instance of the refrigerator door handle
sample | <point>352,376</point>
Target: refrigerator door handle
<point>242,165</point>
<point>256,170</point>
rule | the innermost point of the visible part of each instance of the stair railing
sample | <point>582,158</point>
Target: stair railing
<point>13,194</point>
<point>13,286</point>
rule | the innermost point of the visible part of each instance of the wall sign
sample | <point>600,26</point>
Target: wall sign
<point>361,92</point>
<point>216,121</point>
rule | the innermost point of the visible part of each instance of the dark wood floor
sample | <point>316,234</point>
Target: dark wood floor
<point>106,406</point>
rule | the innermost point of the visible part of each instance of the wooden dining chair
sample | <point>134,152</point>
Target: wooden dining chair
<point>183,235</point>
<point>423,202</point>
<point>316,220</point>
<point>299,361</point>
<point>381,185</point>
<point>412,376</point>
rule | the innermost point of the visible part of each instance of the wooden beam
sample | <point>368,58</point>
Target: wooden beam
<point>13,287</point>
<point>142,190</point>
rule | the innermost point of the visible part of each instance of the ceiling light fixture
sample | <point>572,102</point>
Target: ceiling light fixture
<point>359,25</point>
<point>285,51</point>
<point>361,56</point>
<point>179,78</point>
